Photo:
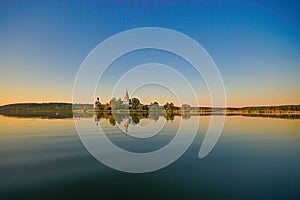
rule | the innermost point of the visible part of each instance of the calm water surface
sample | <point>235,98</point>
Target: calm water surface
<point>254,158</point>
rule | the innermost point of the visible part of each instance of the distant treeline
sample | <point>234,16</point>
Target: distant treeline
<point>43,110</point>
<point>68,106</point>
<point>272,108</point>
<point>62,110</point>
<point>44,106</point>
<point>255,109</point>
<point>37,107</point>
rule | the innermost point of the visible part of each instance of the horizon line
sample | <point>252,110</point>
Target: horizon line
<point>261,105</point>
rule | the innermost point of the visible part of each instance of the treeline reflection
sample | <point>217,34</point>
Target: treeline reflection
<point>135,118</point>
<point>125,120</point>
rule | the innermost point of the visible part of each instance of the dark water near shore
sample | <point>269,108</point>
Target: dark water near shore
<point>254,158</point>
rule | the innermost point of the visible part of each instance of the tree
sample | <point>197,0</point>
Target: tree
<point>107,107</point>
<point>169,107</point>
<point>116,104</point>
<point>135,102</point>
<point>186,107</point>
<point>154,106</point>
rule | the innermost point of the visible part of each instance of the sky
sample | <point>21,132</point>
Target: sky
<point>254,44</point>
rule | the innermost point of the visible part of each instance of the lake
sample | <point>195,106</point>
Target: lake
<point>255,157</point>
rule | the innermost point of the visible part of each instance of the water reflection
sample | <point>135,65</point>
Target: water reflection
<point>135,117</point>
<point>257,153</point>
<point>42,115</point>
<point>125,120</point>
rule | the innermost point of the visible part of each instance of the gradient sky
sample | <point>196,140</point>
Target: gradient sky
<point>255,44</point>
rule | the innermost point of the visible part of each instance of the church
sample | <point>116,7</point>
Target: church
<point>127,100</point>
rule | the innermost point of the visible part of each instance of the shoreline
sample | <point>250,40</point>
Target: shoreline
<point>69,108</point>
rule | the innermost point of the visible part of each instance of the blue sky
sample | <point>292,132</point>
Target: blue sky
<point>255,44</point>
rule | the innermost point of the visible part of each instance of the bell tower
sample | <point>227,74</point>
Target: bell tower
<point>126,98</point>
